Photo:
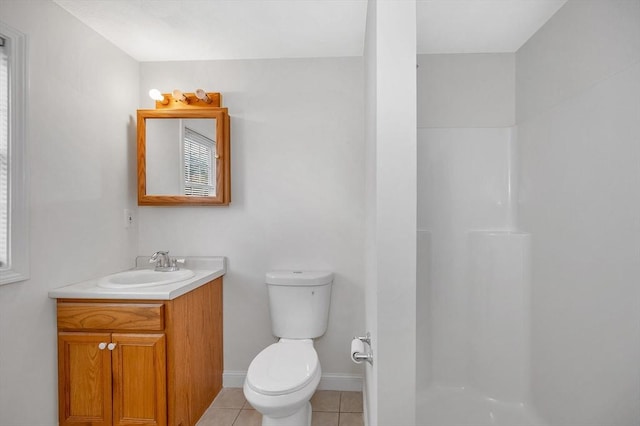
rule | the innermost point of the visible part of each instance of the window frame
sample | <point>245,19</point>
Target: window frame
<point>17,268</point>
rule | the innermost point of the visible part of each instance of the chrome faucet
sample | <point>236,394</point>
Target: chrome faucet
<point>164,263</point>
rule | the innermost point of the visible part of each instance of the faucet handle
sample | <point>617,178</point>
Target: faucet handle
<point>175,261</point>
<point>154,256</point>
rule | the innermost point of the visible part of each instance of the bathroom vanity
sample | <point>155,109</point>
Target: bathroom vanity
<point>145,356</point>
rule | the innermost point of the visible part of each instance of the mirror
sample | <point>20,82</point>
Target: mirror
<point>183,157</point>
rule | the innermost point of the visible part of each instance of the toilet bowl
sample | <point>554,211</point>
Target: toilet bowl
<point>281,380</point>
<point>283,377</point>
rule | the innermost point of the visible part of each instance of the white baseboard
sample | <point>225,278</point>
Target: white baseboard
<point>329,381</point>
<point>233,379</point>
<point>341,382</point>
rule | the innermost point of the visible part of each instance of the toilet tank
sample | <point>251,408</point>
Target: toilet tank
<point>299,303</point>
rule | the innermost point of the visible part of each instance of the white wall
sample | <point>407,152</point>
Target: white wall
<point>578,91</point>
<point>466,90</point>
<point>81,161</point>
<point>391,211</point>
<point>297,179</point>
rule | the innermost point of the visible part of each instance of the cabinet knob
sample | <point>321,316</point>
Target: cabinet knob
<point>102,345</point>
<point>111,346</point>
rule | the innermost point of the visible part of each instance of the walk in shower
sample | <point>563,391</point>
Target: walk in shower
<point>528,240</point>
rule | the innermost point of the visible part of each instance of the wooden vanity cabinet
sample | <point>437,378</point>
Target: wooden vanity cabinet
<point>117,386</point>
<point>140,362</point>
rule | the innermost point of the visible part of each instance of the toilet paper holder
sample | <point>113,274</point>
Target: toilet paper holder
<point>363,356</point>
<point>366,339</point>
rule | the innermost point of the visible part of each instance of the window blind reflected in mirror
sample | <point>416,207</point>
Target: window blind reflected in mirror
<point>199,160</point>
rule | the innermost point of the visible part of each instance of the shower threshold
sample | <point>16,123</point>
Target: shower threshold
<point>440,405</point>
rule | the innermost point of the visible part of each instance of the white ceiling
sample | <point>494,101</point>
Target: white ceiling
<point>480,26</point>
<point>172,30</point>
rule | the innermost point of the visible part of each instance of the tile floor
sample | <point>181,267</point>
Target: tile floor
<point>330,408</point>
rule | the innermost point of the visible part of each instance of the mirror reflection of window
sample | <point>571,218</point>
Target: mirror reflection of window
<point>199,160</point>
<point>181,156</point>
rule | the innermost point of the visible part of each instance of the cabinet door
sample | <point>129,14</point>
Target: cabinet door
<point>84,374</point>
<point>139,379</point>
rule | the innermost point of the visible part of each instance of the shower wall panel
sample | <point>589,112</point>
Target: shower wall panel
<point>499,276</point>
<point>423,317</point>
<point>463,185</point>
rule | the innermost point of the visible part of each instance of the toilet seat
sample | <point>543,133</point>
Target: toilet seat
<point>284,367</point>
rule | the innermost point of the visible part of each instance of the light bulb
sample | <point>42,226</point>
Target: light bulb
<point>179,96</point>
<point>157,96</point>
<point>202,95</point>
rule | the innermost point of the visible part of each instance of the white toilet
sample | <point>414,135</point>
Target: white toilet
<point>283,377</point>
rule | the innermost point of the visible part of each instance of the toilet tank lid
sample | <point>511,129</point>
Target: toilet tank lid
<point>299,278</point>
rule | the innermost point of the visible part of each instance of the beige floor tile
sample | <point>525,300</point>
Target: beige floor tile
<point>351,419</point>
<point>323,418</point>
<point>326,401</point>
<point>248,418</point>
<point>351,402</point>
<point>229,398</point>
<point>218,417</point>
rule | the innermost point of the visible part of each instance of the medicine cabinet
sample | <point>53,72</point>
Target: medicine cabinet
<point>184,153</point>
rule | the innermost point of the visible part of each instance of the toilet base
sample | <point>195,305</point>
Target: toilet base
<point>302,417</point>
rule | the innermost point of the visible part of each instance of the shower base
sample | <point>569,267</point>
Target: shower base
<point>461,406</point>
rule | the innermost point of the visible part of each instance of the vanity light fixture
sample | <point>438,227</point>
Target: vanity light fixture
<point>177,99</point>
<point>157,96</point>
<point>202,95</point>
<point>179,96</point>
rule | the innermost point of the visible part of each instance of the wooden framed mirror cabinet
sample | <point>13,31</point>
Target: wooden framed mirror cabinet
<point>184,152</point>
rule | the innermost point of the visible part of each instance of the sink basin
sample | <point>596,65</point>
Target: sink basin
<point>144,278</point>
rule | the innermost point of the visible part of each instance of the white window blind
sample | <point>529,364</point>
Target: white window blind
<point>4,154</point>
<point>199,164</point>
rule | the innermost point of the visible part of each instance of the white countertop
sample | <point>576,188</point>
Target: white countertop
<point>205,268</point>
